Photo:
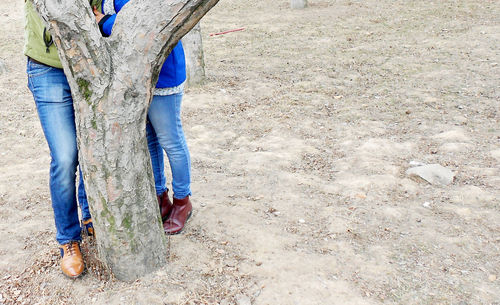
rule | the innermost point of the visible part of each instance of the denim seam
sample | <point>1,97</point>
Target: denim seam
<point>184,147</point>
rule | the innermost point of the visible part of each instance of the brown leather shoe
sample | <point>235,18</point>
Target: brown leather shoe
<point>181,211</point>
<point>165,205</point>
<point>72,261</point>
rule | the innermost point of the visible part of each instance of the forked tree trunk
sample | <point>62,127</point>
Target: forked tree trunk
<point>112,81</point>
<point>195,63</point>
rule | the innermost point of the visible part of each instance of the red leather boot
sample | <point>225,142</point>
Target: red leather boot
<point>181,211</point>
<point>165,205</point>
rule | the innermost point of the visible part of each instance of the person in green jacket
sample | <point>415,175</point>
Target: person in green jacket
<point>54,104</point>
<point>52,96</point>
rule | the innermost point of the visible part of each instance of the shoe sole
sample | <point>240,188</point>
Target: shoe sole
<point>75,276</point>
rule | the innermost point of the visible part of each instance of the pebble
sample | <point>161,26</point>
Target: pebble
<point>432,173</point>
<point>460,119</point>
<point>302,220</point>
<point>492,278</point>
<point>3,67</point>
<point>361,196</point>
<point>426,204</point>
<point>243,300</point>
<point>416,163</point>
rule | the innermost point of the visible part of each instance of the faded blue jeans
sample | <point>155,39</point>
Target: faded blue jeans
<point>55,109</point>
<point>54,104</point>
<point>164,132</point>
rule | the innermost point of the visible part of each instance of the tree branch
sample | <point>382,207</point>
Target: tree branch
<point>163,24</point>
<point>78,39</point>
<point>112,81</point>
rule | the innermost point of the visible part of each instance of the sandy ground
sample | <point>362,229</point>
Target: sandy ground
<point>300,140</point>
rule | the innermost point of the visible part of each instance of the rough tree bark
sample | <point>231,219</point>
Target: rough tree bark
<point>112,80</point>
<point>193,48</point>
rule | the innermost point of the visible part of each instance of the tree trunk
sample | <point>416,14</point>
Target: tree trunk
<point>193,49</point>
<point>112,80</point>
<point>298,4</point>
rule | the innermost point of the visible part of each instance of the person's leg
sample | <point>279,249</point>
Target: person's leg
<point>165,116</point>
<point>82,198</point>
<point>156,153</point>
<point>54,104</point>
<point>87,224</point>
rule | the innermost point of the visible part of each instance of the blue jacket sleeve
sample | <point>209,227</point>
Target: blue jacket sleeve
<point>106,24</point>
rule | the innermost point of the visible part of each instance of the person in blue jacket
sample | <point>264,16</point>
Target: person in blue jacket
<point>164,127</point>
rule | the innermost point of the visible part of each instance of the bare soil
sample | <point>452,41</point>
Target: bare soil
<point>300,139</point>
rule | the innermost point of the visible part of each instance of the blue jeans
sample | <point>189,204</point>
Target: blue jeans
<point>54,104</point>
<point>164,130</point>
